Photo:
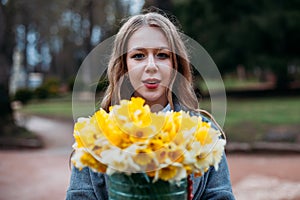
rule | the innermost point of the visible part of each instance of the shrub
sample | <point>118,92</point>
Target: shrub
<point>52,86</point>
<point>24,95</point>
<point>41,92</point>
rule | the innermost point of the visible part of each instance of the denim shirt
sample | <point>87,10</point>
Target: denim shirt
<point>89,185</point>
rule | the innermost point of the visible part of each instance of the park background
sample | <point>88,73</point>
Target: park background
<point>255,45</point>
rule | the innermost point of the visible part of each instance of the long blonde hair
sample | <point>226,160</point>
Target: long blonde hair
<point>119,85</point>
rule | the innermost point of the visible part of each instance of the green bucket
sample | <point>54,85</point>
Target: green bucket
<point>140,187</point>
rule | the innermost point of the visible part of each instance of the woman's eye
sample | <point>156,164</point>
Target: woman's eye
<point>163,55</point>
<point>138,56</point>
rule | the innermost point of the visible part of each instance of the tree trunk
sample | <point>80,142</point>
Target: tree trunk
<point>7,125</point>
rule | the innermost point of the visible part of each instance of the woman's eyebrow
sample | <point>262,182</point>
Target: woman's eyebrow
<point>145,48</point>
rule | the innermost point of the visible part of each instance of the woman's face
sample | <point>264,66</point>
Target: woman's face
<point>149,65</point>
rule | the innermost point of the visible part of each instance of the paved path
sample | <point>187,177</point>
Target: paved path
<point>38,174</point>
<point>44,174</point>
<point>265,177</point>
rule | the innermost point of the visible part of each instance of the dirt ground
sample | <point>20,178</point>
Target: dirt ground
<point>44,174</point>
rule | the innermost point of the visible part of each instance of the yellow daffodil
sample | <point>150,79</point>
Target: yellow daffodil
<point>111,130</point>
<point>139,114</point>
<point>83,159</point>
<point>143,157</point>
<point>85,132</point>
<point>202,132</point>
<point>167,173</point>
<point>171,127</point>
<point>88,160</point>
<point>176,155</point>
<point>155,144</point>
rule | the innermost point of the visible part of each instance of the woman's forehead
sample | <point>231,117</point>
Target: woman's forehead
<point>148,37</point>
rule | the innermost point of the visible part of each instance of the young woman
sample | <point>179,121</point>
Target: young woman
<point>149,60</point>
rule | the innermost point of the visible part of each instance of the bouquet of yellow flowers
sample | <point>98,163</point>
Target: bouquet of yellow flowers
<point>130,140</point>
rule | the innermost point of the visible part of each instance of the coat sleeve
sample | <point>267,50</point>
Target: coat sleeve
<point>86,185</point>
<point>214,184</point>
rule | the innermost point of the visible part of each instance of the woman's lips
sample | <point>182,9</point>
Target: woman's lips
<point>151,83</point>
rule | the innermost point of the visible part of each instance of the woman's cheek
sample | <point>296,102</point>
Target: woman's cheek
<point>134,77</point>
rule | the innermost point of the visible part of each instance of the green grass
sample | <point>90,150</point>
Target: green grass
<point>49,108</point>
<point>273,111</point>
<point>246,120</point>
<point>227,83</point>
<point>60,107</point>
<point>231,83</point>
<point>251,120</point>
<point>268,111</point>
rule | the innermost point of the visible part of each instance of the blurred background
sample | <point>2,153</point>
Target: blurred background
<point>255,45</point>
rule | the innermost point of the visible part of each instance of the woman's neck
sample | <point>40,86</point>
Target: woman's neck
<point>157,106</point>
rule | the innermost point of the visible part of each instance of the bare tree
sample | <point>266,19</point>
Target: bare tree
<point>7,125</point>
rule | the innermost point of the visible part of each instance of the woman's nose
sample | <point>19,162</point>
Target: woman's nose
<point>151,64</point>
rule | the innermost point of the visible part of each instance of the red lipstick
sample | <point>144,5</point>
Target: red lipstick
<point>151,83</point>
